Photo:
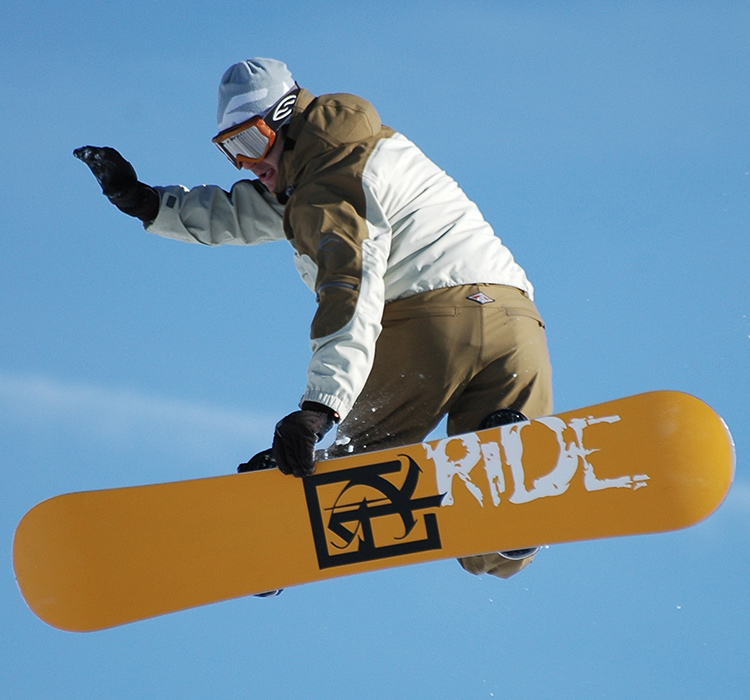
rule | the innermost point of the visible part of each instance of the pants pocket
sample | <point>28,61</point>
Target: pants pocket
<point>524,313</point>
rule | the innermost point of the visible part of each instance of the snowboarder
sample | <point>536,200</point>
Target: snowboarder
<point>421,309</point>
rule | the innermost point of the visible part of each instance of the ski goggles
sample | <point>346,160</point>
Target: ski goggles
<point>251,140</point>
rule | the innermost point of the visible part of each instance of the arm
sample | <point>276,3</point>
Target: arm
<point>247,214</point>
<point>207,214</point>
<point>339,223</point>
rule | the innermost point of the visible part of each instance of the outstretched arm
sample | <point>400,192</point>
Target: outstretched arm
<point>246,215</point>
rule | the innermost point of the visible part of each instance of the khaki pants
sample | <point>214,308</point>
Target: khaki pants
<point>442,353</point>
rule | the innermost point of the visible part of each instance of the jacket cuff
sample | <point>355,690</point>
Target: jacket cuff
<point>334,403</point>
<point>320,408</point>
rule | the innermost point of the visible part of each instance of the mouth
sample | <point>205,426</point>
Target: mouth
<point>265,174</point>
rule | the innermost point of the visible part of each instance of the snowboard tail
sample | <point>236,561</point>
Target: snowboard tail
<point>643,464</point>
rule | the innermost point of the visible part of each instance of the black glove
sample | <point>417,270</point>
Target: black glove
<point>119,182</point>
<point>263,460</point>
<point>295,437</point>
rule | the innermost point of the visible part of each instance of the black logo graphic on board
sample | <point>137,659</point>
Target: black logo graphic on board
<point>370,512</point>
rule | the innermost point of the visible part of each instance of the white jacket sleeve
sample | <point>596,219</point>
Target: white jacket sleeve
<point>342,359</point>
<point>207,214</point>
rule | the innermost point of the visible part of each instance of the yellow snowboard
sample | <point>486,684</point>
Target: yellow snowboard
<point>643,464</point>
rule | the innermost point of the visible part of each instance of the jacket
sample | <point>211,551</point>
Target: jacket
<point>370,219</point>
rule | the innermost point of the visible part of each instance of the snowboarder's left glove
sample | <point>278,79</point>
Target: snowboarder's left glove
<point>119,182</point>
<point>296,435</point>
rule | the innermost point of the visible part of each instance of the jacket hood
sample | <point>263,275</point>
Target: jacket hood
<point>319,125</point>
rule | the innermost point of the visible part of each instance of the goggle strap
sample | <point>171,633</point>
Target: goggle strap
<point>280,112</point>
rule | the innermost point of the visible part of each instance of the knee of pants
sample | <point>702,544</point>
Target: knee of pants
<point>494,564</point>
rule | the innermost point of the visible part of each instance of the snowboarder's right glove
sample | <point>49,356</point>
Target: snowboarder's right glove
<point>119,182</point>
<point>262,460</point>
<point>296,435</point>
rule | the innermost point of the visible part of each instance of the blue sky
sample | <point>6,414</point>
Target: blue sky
<point>607,143</point>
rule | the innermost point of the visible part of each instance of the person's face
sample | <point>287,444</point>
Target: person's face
<point>267,170</point>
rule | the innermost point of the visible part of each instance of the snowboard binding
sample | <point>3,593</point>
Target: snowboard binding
<point>506,416</point>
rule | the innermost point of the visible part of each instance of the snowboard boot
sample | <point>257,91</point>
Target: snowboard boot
<point>269,594</point>
<point>517,554</point>
<point>502,416</point>
<point>505,416</point>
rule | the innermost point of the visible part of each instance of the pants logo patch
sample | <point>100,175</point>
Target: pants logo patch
<point>480,298</point>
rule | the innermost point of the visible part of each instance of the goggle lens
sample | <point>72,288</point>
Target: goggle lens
<point>248,142</point>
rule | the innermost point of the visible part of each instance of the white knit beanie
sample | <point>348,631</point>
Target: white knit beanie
<point>250,88</point>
